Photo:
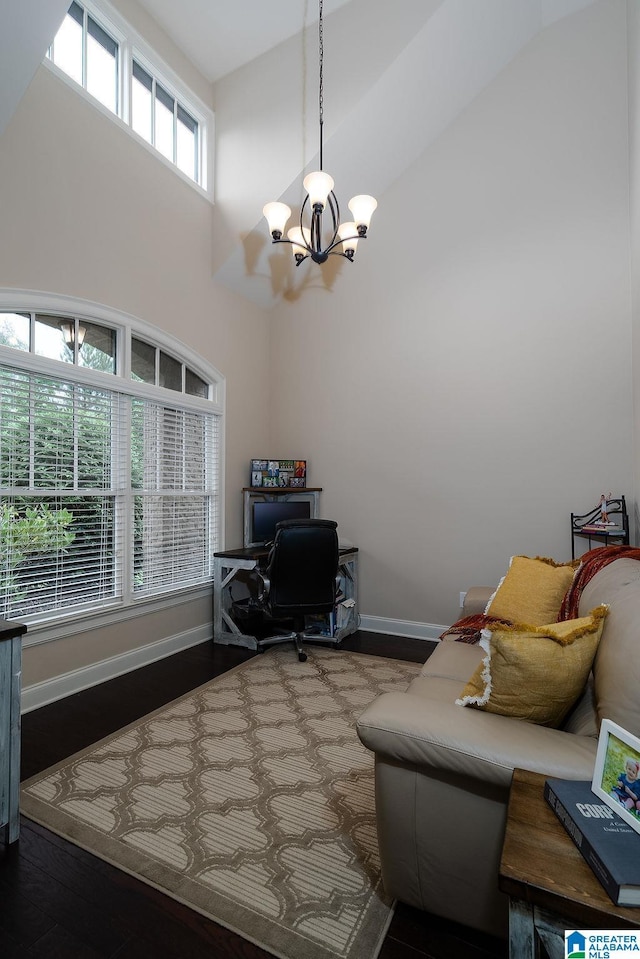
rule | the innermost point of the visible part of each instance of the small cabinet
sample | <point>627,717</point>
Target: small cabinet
<point>10,678</point>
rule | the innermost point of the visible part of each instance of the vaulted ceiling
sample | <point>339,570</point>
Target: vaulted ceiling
<point>450,51</point>
<point>219,36</point>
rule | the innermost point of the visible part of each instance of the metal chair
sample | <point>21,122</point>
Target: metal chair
<point>301,578</point>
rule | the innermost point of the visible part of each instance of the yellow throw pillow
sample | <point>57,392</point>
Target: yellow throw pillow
<point>532,590</point>
<point>535,673</point>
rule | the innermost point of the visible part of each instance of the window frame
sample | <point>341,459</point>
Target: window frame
<point>133,47</point>
<point>66,622</point>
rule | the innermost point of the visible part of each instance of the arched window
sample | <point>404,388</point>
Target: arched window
<point>110,460</point>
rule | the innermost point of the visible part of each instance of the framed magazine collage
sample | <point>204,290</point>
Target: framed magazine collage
<point>616,775</point>
<point>279,473</point>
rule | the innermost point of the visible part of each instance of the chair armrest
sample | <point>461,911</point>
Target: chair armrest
<point>264,587</point>
<point>476,599</point>
<point>431,734</point>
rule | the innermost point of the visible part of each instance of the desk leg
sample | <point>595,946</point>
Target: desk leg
<point>217,597</point>
<point>522,933</point>
<point>225,630</point>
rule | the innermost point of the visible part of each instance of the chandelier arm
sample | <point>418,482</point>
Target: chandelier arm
<point>331,248</point>
<point>316,232</point>
<point>300,258</point>
<point>334,206</point>
<point>303,208</point>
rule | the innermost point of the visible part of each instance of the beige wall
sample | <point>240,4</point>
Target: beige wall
<point>448,389</point>
<point>633,20</point>
<point>87,212</point>
<point>83,650</point>
<point>467,382</point>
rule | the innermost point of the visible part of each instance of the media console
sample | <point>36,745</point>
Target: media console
<point>252,495</point>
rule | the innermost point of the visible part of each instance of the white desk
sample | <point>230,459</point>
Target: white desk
<point>227,564</point>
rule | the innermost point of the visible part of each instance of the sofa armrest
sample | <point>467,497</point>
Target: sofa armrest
<point>476,599</point>
<point>431,734</point>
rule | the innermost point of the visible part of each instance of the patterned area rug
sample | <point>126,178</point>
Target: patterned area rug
<point>250,799</point>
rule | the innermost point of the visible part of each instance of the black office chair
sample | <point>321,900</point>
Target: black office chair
<point>301,578</point>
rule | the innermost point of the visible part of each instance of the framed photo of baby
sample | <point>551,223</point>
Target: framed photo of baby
<point>616,775</point>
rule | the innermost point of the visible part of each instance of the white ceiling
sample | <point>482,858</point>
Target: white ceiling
<point>219,36</point>
<point>456,49</point>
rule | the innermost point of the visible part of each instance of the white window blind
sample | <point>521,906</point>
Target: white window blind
<point>106,496</point>
<point>60,489</point>
<point>176,499</point>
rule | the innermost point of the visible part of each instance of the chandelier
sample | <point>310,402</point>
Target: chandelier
<point>306,239</point>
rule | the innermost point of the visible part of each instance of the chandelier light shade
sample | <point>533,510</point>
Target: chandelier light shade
<point>315,239</point>
<point>318,185</point>
<point>349,235</point>
<point>362,208</point>
<point>300,239</point>
<point>277,215</point>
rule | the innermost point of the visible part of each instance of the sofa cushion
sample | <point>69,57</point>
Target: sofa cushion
<point>617,664</point>
<point>610,582</point>
<point>453,661</point>
<point>535,673</point>
<point>582,719</point>
<point>531,591</point>
<point>616,669</point>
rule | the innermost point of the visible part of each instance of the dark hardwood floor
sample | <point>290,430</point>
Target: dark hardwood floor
<point>60,902</point>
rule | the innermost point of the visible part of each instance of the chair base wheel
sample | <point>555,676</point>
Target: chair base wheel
<point>302,657</point>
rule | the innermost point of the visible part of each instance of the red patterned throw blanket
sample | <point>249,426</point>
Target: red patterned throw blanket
<point>592,562</point>
<point>469,628</point>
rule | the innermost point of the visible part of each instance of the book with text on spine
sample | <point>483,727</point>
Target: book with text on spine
<point>609,845</point>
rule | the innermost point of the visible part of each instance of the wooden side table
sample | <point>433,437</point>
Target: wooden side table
<point>10,679</point>
<point>550,886</point>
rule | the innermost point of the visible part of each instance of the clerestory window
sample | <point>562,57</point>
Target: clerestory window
<point>88,54</point>
<point>101,53</point>
<point>109,484</point>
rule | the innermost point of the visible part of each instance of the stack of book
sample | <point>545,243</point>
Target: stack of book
<point>609,845</point>
<point>611,529</point>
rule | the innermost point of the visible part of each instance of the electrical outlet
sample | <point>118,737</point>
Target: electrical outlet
<point>462,596</point>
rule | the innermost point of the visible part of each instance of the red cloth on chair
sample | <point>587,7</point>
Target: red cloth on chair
<point>591,563</point>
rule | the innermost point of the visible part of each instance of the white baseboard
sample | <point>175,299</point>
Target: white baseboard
<point>50,690</point>
<point>401,627</point>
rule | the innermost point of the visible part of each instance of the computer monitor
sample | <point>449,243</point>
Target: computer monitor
<point>265,516</point>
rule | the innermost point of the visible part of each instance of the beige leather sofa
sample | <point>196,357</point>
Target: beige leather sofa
<point>443,771</point>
